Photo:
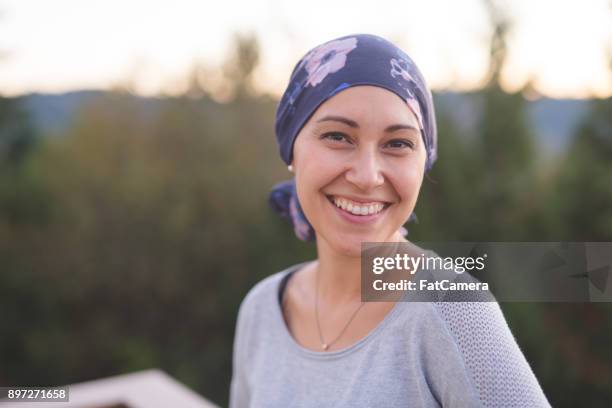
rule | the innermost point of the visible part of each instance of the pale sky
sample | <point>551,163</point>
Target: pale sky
<point>62,45</point>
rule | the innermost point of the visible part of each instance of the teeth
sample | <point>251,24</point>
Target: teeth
<point>358,209</point>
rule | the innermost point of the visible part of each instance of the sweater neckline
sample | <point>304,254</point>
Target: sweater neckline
<point>325,355</point>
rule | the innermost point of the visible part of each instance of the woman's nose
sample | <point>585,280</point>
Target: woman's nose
<point>365,170</point>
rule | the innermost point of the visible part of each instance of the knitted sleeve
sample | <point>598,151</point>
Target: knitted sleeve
<point>498,369</point>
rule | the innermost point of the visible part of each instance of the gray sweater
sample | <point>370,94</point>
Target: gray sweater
<point>422,354</point>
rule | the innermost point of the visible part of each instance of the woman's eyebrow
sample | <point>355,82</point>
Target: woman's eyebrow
<point>354,124</point>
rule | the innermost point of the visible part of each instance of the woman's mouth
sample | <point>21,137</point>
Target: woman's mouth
<point>359,212</point>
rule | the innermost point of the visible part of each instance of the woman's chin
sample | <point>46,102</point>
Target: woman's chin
<point>350,244</point>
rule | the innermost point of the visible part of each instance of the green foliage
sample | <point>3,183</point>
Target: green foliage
<point>582,193</point>
<point>157,225</point>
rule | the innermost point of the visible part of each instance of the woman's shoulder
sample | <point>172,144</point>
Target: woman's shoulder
<point>266,288</point>
<point>466,305</point>
<point>469,313</point>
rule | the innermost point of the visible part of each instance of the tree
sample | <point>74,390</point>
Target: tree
<point>507,187</point>
<point>240,66</point>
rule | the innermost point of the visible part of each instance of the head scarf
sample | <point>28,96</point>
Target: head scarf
<point>359,59</point>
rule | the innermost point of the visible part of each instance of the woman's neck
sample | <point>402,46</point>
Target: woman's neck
<point>339,274</point>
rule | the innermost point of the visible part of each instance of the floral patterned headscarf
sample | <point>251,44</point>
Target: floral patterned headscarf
<point>360,59</point>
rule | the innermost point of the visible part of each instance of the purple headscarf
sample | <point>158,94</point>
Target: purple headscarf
<point>359,59</point>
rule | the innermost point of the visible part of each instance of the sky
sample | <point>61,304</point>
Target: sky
<point>561,46</point>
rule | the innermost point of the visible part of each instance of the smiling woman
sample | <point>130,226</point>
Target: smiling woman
<point>356,125</point>
<point>358,178</point>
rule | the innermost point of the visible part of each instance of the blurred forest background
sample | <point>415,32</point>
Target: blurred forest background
<point>129,236</point>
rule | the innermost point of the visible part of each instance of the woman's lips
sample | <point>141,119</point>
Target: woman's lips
<point>357,219</point>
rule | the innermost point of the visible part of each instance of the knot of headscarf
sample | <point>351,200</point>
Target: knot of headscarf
<point>359,59</point>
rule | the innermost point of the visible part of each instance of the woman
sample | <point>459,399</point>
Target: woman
<point>356,126</point>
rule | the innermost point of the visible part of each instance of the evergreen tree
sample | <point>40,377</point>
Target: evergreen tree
<point>582,201</point>
<point>506,150</point>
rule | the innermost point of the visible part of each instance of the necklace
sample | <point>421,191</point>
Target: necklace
<point>325,345</point>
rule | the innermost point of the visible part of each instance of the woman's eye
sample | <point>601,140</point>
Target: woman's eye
<point>335,136</point>
<point>400,144</point>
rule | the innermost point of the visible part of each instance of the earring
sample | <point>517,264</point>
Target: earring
<point>290,168</point>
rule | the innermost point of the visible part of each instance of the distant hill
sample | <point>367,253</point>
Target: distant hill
<point>53,113</point>
<point>554,120</point>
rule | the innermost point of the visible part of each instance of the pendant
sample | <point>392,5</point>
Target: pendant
<point>325,346</point>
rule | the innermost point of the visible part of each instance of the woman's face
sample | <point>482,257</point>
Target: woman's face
<point>360,153</point>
